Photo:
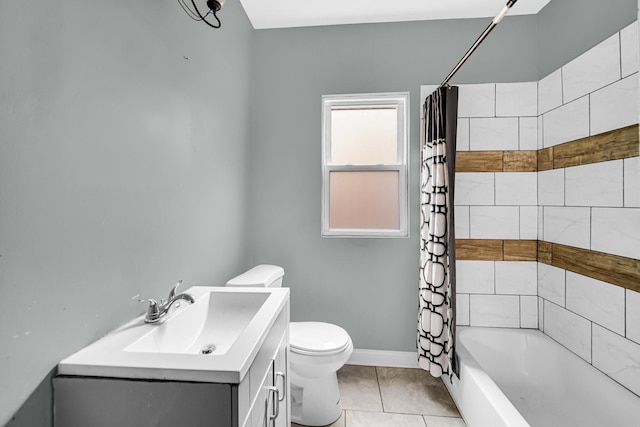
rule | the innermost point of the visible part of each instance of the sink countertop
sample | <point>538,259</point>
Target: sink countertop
<point>109,356</point>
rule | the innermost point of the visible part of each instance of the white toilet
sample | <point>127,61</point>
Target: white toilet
<point>317,351</point>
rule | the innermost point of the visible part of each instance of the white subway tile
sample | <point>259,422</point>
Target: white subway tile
<point>517,99</point>
<point>616,231</point>
<point>541,313</point>
<point>462,309</point>
<point>615,106</point>
<point>592,70</point>
<point>500,133</point>
<point>569,329</point>
<point>567,123</point>
<point>516,188</point>
<point>617,357</point>
<point>629,49</point>
<point>462,138</point>
<point>528,133</point>
<point>462,222</point>
<point>632,182</point>
<point>550,92</point>
<point>495,310</point>
<point>551,187</point>
<point>596,184</point>
<point>540,222</point>
<point>540,132</point>
<point>600,302</point>
<point>551,283</point>
<point>529,312</point>
<point>568,226</point>
<point>495,222</point>
<point>475,277</point>
<point>474,188</point>
<point>633,315</point>
<point>516,277</point>
<point>529,222</point>
<point>477,100</point>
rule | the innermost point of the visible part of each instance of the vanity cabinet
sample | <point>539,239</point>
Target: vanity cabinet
<point>263,396</point>
<point>261,399</point>
<point>270,407</point>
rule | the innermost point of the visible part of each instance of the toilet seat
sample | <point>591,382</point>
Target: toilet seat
<point>317,338</point>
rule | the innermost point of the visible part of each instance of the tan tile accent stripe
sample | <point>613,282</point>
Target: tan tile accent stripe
<point>520,161</point>
<point>545,159</point>
<point>496,250</point>
<point>479,250</point>
<point>614,269</point>
<point>520,250</point>
<point>496,161</point>
<point>479,161</point>
<point>614,145</point>
<point>544,251</point>
<point>617,144</point>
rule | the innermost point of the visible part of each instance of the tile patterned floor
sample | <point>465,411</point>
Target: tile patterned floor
<point>394,397</point>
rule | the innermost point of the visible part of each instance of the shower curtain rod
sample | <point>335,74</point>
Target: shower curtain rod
<point>484,34</point>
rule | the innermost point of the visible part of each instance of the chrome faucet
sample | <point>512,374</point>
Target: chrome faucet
<point>157,310</point>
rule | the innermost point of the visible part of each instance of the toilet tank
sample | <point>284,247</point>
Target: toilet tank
<point>262,276</point>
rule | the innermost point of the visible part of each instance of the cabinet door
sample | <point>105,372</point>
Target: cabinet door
<point>263,404</point>
<point>271,406</point>
<point>281,381</point>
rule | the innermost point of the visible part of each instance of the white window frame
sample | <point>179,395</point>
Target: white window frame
<point>397,100</point>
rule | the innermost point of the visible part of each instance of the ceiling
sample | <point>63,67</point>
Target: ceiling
<point>306,13</point>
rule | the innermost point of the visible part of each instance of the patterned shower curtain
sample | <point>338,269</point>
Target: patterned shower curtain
<point>437,301</point>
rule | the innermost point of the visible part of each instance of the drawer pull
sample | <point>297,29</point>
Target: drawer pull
<point>284,386</point>
<point>274,397</point>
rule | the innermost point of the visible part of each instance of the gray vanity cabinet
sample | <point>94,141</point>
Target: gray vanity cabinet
<point>108,402</point>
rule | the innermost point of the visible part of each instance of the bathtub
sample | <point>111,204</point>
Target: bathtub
<point>522,378</point>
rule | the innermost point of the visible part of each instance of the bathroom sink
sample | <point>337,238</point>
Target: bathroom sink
<point>215,339</point>
<point>210,326</point>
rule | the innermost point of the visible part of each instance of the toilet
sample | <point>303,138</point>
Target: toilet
<point>317,351</point>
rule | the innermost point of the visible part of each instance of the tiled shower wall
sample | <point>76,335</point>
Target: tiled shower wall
<point>594,206</point>
<point>497,205</point>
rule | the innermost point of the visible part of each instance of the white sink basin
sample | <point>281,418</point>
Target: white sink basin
<point>215,339</point>
<point>214,322</point>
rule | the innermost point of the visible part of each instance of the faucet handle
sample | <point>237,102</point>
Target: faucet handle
<point>153,308</point>
<point>153,311</point>
<point>172,292</point>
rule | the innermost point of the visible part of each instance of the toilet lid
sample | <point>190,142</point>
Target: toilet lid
<point>317,337</point>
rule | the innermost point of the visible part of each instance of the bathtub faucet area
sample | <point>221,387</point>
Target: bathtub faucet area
<point>157,311</point>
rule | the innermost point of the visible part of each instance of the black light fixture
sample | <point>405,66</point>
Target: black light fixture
<point>194,13</point>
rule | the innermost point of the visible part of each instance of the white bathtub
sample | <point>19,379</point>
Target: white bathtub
<point>522,378</point>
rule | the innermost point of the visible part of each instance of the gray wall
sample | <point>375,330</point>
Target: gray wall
<point>368,286</point>
<point>123,147</point>
<point>568,28</point>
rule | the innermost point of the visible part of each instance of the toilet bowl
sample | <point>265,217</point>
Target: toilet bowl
<point>317,351</point>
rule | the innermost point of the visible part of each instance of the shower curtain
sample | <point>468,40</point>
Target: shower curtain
<point>437,289</point>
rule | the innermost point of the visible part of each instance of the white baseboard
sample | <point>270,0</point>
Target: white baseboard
<point>387,358</point>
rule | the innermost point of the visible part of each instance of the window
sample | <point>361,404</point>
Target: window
<point>364,165</point>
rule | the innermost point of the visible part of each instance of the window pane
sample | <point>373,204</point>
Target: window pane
<point>364,136</point>
<point>364,200</point>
